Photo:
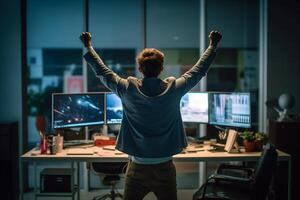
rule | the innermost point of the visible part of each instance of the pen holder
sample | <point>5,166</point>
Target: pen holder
<point>52,144</point>
<point>43,145</point>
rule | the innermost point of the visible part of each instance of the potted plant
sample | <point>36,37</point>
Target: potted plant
<point>260,139</point>
<point>248,141</point>
<point>36,102</point>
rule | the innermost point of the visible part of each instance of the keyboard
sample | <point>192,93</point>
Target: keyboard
<point>79,151</point>
<point>218,148</point>
<point>73,143</point>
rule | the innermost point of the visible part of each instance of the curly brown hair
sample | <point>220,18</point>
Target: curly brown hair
<point>150,62</point>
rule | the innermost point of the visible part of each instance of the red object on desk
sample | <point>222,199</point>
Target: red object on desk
<point>101,143</point>
<point>40,123</point>
<point>43,145</point>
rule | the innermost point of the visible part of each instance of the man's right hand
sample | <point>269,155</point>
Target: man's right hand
<point>86,39</point>
<point>214,38</point>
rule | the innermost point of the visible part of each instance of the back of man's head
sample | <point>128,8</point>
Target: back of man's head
<point>150,62</point>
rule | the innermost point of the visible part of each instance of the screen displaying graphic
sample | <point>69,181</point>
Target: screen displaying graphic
<point>114,109</point>
<point>230,109</point>
<point>70,110</point>
<point>194,107</point>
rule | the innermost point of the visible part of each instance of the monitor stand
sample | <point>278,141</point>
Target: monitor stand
<point>104,130</point>
<point>74,137</point>
<point>71,134</point>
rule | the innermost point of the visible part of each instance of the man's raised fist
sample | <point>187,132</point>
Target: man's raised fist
<point>86,39</point>
<point>214,38</point>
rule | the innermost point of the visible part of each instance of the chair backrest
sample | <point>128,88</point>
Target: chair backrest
<point>111,168</point>
<point>264,172</point>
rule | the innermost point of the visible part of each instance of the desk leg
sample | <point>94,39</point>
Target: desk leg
<point>35,180</point>
<point>78,180</point>
<point>202,173</point>
<point>289,178</point>
<point>72,181</point>
<point>21,185</point>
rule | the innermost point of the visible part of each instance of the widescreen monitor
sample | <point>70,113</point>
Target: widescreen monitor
<point>194,107</point>
<point>230,109</point>
<point>72,110</point>
<point>114,109</point>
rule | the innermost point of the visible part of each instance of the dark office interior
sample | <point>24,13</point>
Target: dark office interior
<point>43,74</point>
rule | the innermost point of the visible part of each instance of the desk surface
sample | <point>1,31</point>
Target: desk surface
<point>104,155</point>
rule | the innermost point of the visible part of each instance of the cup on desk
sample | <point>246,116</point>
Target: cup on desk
<point>59,143</point>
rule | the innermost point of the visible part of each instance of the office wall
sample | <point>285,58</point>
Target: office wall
<point>236,19</point>
<point>10,62</point>
<point>48,29</point>
<point>10,66</point>
<point>173,23</point>
<point>283,51</point>
<point>48,23</point>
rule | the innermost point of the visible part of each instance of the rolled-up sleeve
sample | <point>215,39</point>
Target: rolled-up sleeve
<point>109,78</point>
<point>189,79</point>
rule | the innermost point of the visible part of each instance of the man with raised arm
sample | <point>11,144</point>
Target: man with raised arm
<point>151,131</point>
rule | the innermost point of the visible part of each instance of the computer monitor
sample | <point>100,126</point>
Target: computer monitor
<point>72,110</point>
<point>114,109</point>
<point>230,109</point>
<point>194,107</point>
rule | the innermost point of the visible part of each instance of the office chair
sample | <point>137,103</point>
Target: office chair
<point>111,170</point>
<point>253,185</point>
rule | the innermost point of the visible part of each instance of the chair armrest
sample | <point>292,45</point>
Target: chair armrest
<point>229,178</point>
<point>250,171</point>
<point>202,190</point>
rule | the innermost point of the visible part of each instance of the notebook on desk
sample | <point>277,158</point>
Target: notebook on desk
<point>79,151</point>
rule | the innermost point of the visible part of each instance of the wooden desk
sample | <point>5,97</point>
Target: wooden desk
<point>101,155</point>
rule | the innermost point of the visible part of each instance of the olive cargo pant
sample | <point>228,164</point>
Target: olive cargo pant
<point>157,178</point>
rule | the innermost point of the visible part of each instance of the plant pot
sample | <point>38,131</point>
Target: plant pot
<point>258,145</point>
<point>249,146</point>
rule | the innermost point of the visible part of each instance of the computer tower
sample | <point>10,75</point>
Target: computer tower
<point>56,180</point>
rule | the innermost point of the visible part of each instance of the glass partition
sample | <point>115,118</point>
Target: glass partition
<point>116,27</point>
<point>236,67</point>
<point>54,58</point>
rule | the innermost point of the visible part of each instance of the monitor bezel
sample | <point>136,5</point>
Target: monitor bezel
<point>226,125</point>
<point>207,108</point>
<point>106,121</point>
<point>74,126</point>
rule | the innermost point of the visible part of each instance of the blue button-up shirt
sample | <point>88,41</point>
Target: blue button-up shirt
<point>152,126</point>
